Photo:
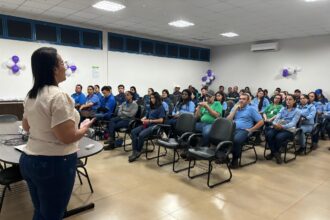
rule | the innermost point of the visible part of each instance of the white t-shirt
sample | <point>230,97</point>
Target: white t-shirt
<point>50,108</point>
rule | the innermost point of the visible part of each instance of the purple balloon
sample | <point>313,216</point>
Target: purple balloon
<point>15,68</point>
<point>285,72</point>
<point>204,78</point>
<point>73,68</point>
<point>15,59</point>
<point>209,73</point>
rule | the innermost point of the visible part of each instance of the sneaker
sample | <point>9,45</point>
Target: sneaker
<point>314,146</point>
<point>278,158</point>
<point>300,151</point>
<point>269,156</point>
<point>135,155</point>
<point>234,164</point>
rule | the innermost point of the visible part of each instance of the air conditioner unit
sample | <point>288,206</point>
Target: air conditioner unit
<point>272,46</point>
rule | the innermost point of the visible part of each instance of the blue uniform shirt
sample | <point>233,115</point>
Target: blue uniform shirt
<point>99,95</point>
<point>326,109</point>
<point>156,113</point>
<point>186,108</point>
<point>79,98</point>
<point>120,98</point>
<point>255,103</point>
<point>246,117</point>
<point>318,106</point>
<point>95,100</point>
<point>308,111</point>
<point>109,103</point>
<point>288,119</point>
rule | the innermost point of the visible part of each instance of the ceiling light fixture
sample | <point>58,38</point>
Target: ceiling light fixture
<point>109,6</point>
<point>229,34</point>
<point>181,23</point>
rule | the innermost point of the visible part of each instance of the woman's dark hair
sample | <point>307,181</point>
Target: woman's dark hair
<point>265,92</point>
<point>90,86</point>
<point>306,97</point>
<point>261,102</point>
<point>294,98</point>
<point>133,87</point>
<point>106,88</point>
<point>167,92</point>
<point>43,63</point>
<point>316,99</point>
<point>152,90</point>
<point>97,86</point>
<point>189,96</point>
<point>158,100</point>
<point>223,96</point>
<point>281,100</point>
<point>132,94</point>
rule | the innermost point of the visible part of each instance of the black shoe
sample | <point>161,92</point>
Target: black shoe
<point>234,164</point>
<point>109,141</point>
<point>300,151</point>
<point>278,158</point>
<point>314,146</point>
<point>269,156</point>
<point>135,155</point>
<point>183,154</point>
<point>110,146</point>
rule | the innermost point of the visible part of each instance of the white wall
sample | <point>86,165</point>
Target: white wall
<point>236,65</point>
<point>114,67</point>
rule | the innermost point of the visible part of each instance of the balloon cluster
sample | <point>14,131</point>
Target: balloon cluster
<point>14,65</point>
<point>288,71</point>
<point>208,78</point>
<point>70,68</point>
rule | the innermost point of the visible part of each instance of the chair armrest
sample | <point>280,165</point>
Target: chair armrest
<point>193,136</point>
<point>185,135</point>
<point>254,133</point>
<point>223,144</point>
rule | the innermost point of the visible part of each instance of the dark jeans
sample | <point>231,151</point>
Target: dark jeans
<point>275,138</point>
<point>205,129</point>
<point>50,180</point>
<point>117,123</point>
<point>139,135</point>
<point>240,137</point>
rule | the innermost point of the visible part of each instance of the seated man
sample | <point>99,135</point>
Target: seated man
<point>283,125</point>
<point>247,120</point>
<point>126,113</point>
<point>97,91</point>
<point>78,97</point>
<point>108,104</point>
<point>92,104</point>
<point>120,97</point>
<point>207,112</point>
<point>326,122</point>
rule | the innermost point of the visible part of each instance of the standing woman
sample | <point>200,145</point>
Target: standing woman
<point>48,163</point>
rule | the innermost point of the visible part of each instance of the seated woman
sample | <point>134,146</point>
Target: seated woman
<point>184,105</point>
<point>207,112</point>
<point>277,134</point>
<point>321,97</point>
<point>126,113</point>
<point>221,97</point>
<point>313,99</point>
<point>135,94</point>
<point>326,123</point>
<point>108,104</point>
<point>260,102</point>
<point>272,110</point>
<point>139,134</point>
<point>146,98</point>
<point>92,104</point>
<point>308,112</point>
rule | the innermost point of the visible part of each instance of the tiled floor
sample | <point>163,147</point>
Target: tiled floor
<point>141,190</point>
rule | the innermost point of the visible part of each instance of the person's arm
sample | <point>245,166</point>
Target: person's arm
<point>211,111</point>
<point>233,112</point>
<point>198,111</point>
<point>256,126</point>
<point>264,116</point>
<point>67,133</point>
<point>131,112</point>
<point>191,107</point>
<point>25,125</point>
<point>312,113</point>
<point>256,118</point>
<point>294,121</point>
<point>87,105</point>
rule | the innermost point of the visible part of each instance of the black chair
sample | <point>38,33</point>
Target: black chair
<point>230,105</point>
<point>9,176</point>
<point>185,126</point>
<point>221,143</point>
<point>308,135</point>
<point>250,145</point>
<point>8,118</point>
<point>81,164</point>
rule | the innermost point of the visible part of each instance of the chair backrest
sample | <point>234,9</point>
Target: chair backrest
<point>140,101</point>
<point>222,130</point>
<point>185,123</point>
<point>8,118</point>
<point>140,112</point>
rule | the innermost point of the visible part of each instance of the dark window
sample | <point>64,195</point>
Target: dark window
<point>46,32</point>
<point>172,50</point>
<point>1,30</point>
<point>116,42</point>
<point>19,29</point>
<point>160,49</point>
<point>91,39</point>
<point>69,36</point>
<point>205,55</point>
<point>194,53</point>
<point>147,47</point>
<point>132,45</point>
<point>184,52</point>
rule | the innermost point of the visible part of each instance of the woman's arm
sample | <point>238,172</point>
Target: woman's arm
<point>25,125</point>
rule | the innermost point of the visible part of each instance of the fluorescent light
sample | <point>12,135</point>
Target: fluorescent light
<point>229,34</point>
<point>109,6</point>
<point>311,0</point>
<point>181,23</point>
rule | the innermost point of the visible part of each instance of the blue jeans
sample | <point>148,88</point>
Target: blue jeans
<point>240,137</point>
<point>102,116</point>
<point>205,129</point>
<point>275,138</point>
<point>50,180</point>
<point>302,136</point>
<point>115,124</point>
<point>139,135</point>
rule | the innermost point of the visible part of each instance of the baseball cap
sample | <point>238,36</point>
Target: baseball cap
<point>210,93</point>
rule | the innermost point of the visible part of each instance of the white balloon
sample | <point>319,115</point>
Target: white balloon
<point>10,63</point>
<point>68,72</point>
<point>211,78</point>
<point>298,69</point>
<point>291,70</point>
<point>208,81</point>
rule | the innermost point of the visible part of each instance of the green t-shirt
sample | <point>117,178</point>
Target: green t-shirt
<point>206,117</point>
<point>272,110</point>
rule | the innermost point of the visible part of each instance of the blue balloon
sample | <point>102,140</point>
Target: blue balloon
<point>15,68</point>
<point>73,68</point>
<point>15,59</point>
<point>285,72</point>
<point>209,73</point>
<point>204,78</point>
